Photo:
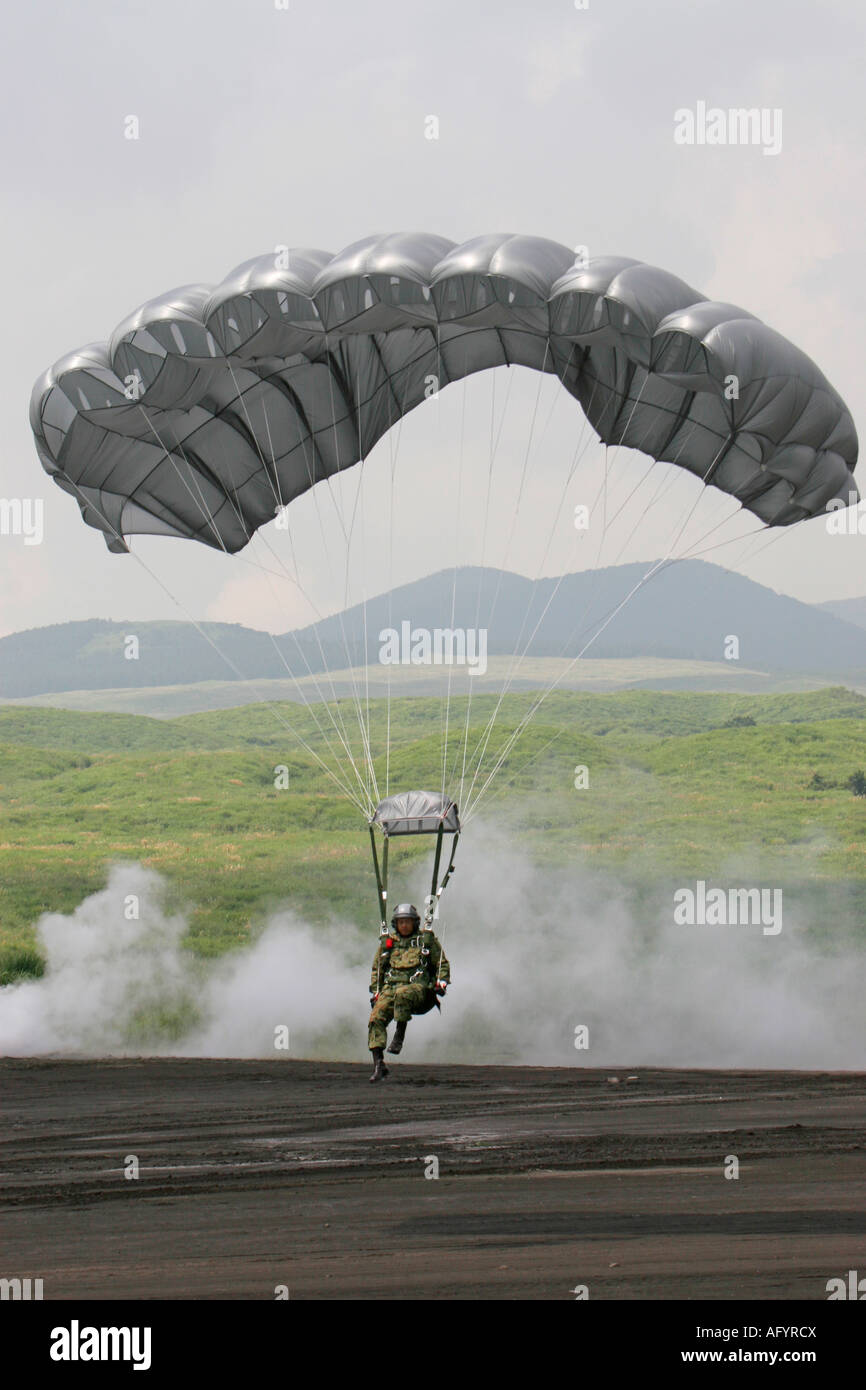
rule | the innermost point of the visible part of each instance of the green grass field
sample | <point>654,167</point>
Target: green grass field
<point>674,791</point>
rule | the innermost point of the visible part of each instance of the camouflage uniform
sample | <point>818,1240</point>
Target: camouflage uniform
<point>399,996</point>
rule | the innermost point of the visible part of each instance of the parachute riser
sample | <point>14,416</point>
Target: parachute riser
<point>413,813</point>
<point>381,880</point>
<point>431,902</point>
<point>436,888</point>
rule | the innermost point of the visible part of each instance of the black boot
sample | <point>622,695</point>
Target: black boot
<point>379,1068</point>
<point>397,1040</point>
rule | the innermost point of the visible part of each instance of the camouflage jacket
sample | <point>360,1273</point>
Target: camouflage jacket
<point>405,956</point>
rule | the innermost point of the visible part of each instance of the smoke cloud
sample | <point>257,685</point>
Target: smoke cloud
<point>536,954</point>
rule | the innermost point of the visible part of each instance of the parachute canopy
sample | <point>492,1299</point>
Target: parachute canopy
<point>211,408</point>
<point>416,813</point>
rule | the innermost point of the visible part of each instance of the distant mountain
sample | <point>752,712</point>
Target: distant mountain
<point>685,611</point>
<point>851,610</point>
<point>91,656</point>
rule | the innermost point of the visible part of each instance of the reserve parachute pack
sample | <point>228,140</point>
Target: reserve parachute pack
<point>421,974</point>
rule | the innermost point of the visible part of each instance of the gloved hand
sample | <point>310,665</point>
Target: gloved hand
<point>440,987</point>
<point>373,998</point>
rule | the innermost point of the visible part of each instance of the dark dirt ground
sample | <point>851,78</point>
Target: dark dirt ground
<point>266,1173</point>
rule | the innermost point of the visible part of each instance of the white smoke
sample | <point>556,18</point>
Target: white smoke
<point>535,954</point>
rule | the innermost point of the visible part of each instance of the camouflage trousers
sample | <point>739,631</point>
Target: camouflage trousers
<point>399,1002</point>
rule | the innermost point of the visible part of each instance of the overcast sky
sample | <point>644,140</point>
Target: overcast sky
<point>306,126</point>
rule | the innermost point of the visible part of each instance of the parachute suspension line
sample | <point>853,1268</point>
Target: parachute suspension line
<point>460,456</point>
<point>431,905</point>
<point>519,656</point>
<point>501,787</point>
<point>522,477</point>
<point>365,650</point>
<point>669,560</point>
<point>581,626</point>
<point>393,445</point>
<point>759,549</point>
<point>344,736</point>
<point>664,484</point>
<point>339,728</point>
<point>580,449</point>
<point>347,536</point>
<point>392,464</point>
<point>485,523</point>
<point>716,526</point>
<point>322,700</point>
<point>391,397</point>
<point>358,506</point>
<point>601,491</point>
<point>439,451</point>
<point>334,714</point>
<point>275,489</point>
<point>470,810</point>
<point>691,552</point>
<point>462,748</point>
<point>274,481</point>
<point>206,512</point>
<point>481,747</point>
<point>364,728</point>
<point>311,709</point>
<point>437,888</point>
<point>516,510</point>
<point>494,444</point>
<point>604,624</point>
<point>87,503</point>
<point>390,624</point>
<point>197,496</point>
<point>394,436</point>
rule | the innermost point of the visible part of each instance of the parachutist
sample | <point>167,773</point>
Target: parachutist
<point>413,972</point>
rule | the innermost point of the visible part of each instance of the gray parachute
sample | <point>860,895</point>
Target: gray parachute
<point>211,408</point>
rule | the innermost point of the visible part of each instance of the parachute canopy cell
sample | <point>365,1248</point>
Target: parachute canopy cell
<point>416,813</point>
<point>209,409</point>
